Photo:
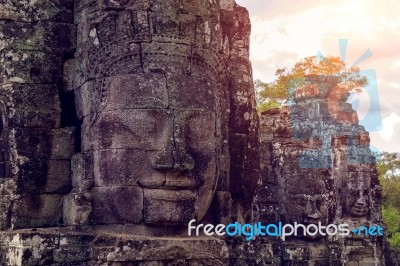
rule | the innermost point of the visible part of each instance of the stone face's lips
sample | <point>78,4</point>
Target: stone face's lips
<point>172,181</point>
<point>169,195</point>
<point>179,185</point>
<point>359,210</point>
<point>163,206</point>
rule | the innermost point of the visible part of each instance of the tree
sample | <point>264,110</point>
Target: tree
<point>388,166</point>
<point>275,94</point>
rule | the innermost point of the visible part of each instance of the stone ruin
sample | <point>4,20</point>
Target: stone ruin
<point>317,168</point>
<point>122,120</point>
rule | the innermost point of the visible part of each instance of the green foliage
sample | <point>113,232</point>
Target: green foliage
<point>389,165</point>
<point>275,94</point>
<point>391,192</point>
<point>389,176</point>
<point>391,216</point>
<point>268,105</point>
<point>395,241</point>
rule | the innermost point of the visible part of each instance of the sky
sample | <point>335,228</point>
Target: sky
<point>284,31</point>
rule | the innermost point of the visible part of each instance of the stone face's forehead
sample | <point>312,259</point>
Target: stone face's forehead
<point>137,91</point>
<point>192,92</point>
<point>162,91</point>
<point>309,183</point>
<point>358,180</point>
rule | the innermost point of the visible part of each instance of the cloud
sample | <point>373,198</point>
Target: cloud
<point>306,28</point>
<point>265,66</point>
<point>389,124</point>
<point>284,31</point>
<point>263,8</point>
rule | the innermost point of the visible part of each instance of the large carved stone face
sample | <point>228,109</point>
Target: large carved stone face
<point>151,81</point>
<point>154,149</point>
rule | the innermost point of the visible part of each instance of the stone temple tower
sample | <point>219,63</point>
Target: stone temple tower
<point>317,168</point>
<point>121,121</point>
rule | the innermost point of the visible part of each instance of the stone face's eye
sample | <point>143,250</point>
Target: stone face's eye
<point>133,129</point>
<point>354,193</point>
<point>200,131</point>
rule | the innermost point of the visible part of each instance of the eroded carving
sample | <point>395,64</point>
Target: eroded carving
<point>159,118</point>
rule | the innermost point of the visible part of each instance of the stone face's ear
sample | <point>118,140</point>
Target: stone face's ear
<point>243,121</point>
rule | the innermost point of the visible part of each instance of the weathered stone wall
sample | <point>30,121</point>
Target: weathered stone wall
<point>317,168</point>
<point>162,130</point>
<point>36,144</point>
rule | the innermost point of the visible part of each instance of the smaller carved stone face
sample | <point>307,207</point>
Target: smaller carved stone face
<point>357,201</point>
<point>308,209</point>
<point>308,199</point>
<point>355,195</point>
<point>313,208</point>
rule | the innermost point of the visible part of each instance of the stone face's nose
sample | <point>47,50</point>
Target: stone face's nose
<point>314,212</point>
<point>182,160</point>
<point>173,160</point>
<point>362,199</point>
<point>175,156</point>
<point>164,160</point>
<point>176,164</point>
